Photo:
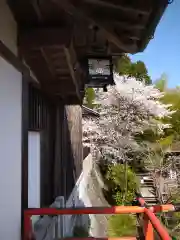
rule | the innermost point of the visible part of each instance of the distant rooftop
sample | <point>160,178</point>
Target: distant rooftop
<point>89,112</point>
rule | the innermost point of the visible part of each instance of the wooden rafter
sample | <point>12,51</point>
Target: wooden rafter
<point>123,8</point>
<point>127,34</point>
<point>48,63</point>
<point>125,25</point>
<point>62,86</point>
<point>111,36</point>
<point>10,57</point>
<point>34,3</point>
<point>68,54</point>
<point>42,37</point>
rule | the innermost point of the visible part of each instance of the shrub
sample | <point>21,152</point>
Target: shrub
<point>121,192</point>
<point>122,185</point>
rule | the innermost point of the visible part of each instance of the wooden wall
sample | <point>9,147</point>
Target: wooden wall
<point>74,117</point>
<point>68,148</point>
<point>61,152</point>
<point>47,158</point>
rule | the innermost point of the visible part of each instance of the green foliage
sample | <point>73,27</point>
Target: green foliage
<point>148,135</point>
<point>122,185</point>
<point>165,142</point>
<point>89,97</point>
<point>176,199</point>
<point>138,69</point>
<point>123,65</point>
<point>174,224</point>
<point>154,160</point>
<point>122,226</point>
<point>172,97</point>
<point>169,135</point>
<point>161,83</point>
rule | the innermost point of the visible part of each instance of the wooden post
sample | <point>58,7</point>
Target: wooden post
<point>148,229</point>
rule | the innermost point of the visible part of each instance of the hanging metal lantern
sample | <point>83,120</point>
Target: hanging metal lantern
<point>99,71</point>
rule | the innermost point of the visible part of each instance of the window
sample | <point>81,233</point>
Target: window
<point>38,110</point>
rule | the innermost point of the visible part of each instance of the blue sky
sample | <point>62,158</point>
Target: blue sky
<point>162,55</point>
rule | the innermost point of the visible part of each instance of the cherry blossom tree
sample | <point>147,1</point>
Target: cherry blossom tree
<point>126,109</point>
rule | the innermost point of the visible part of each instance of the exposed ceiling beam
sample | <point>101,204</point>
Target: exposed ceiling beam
<point>136,38</point>
<point>71,99</point>
<point>62,87</point>
<point>42,37</point>
<point>34,3</point>
<point>19,65</point>
<point>122,7</point>
<point>127,34</point>
<point>64,81</point>
<point>69,54</point>
<point>48,63</point>
<point>110,35</point>
<point>125,25</point>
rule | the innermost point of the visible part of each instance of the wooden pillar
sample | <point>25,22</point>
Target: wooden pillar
<point>68,148</point>
<point>74,117</point>
<point>24,145</point>
<point>60,149</point>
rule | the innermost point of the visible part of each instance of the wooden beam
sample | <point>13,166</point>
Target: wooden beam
<point>15,61</point>
<point>125,25</point>
<point>48,63</point>
<point>24,147</point>
<point>110,35</point>
<point>72,100</point>
<point>136,38</point>
<point>62,86</point>
<point>34,3</point>
<point>126,34</point>
<point>62,82</point>
<point>120,7</point>
<point>10,57</point>
<point>42,37</point>
<point>56,91</point>
<point>69,54</point>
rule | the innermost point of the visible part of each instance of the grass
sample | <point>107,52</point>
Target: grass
<point>114,178</point>
<point>122,226</point>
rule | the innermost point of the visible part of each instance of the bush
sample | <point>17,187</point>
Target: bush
<point>122,185</point>
<point>122,226</point>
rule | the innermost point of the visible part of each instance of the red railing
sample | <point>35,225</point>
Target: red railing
<point>150,221</point>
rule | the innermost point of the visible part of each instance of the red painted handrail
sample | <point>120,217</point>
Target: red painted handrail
<point>150,220</point>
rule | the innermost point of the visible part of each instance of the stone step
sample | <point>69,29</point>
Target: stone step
<point>150,197</point>
<point>152,200</point>
<point>147,183</point>
<point>147,186</point>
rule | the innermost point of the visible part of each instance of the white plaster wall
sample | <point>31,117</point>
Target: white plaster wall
<point>8,27</point>
<point>10,151</point>
<point>34,169</point>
